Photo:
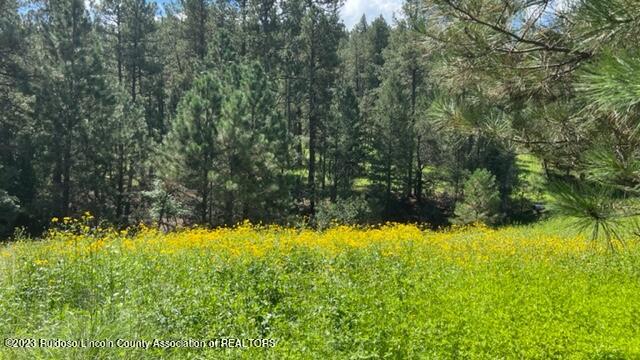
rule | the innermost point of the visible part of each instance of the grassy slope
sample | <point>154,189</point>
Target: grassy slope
<point>523,292</point>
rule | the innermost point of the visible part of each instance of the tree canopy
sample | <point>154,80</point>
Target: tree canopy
<point>211,113</point>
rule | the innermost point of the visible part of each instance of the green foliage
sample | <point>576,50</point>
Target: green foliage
<point>593,208</point>
<point>110,96</point>
<point>224,143</point>
<point>73,100</point>
<point>613,82</point>
<point>9,210</point>
<point>350,211</point>
<point>345,139</point>
<point>481,201</point>
<point>614,168</point>
<point>165,206</point>
<point>509,306</point>
<point>605,23</point>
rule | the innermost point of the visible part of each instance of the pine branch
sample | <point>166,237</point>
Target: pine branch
<point>545,46</point>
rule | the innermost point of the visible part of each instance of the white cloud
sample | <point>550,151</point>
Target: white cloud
<point>353,9</point>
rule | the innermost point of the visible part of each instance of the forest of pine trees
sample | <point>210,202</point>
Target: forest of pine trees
<point>212,112</point>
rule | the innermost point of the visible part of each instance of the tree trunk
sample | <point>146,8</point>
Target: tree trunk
<point>205,195</point>
<point>418,171</point>
<point>127,202</point>
<point>202,42</point>
<point>334,187</point>
<point>388,173</point>
<point>120,183</point>
<point>119,45</point>
<point>312,126</point>
<point>228,208</point>
<point>290,129</point>
<point>59,160</point>
<point>414,86</point>
<point>66,178</point>
<point>323,176</point>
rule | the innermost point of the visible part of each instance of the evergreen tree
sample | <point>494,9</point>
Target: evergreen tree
<point>481,199</point>
<point>129,150</point>
<point>195,27</point>
<point>393,130</point>
<point>17,176</point>
<point>191,143</point>
<point>72,95</point>
<point>320,34</point>
<point>249,132</point>
<point>224,143</point>
<point>345,139</point>
<point>9,210</point>
<point>403,113</point>
<point>378,40</point>
<point>355,57</point>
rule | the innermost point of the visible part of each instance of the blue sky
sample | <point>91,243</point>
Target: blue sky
<point>353,10</point>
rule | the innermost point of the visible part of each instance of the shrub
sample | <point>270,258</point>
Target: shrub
<point>343,211</point>
<point>9,210</point>
<point>481,199</point>
<point>165,207</point>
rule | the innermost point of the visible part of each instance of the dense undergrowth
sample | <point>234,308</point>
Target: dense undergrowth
<point>393,291</point>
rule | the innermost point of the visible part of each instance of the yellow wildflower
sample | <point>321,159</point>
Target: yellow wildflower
<point>41,262</point>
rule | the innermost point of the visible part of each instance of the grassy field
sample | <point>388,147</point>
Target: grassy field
<point>395,292</point>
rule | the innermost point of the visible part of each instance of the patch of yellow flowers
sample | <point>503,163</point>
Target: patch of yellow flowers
<point>463,245</point>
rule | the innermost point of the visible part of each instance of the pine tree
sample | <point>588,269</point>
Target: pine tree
<point>72,94</point>
<point>262,33</point>
<point>345,137</point>
<point>224,141</point>
<point>195,27</point>
<point>392,132</point>
<point>249,132</point>
<point>191,145</point>
<point>9,210</point>
<point>129,150</point>
<point>320,34</point>
<point>481,199</point>
<point>355,57</point>
<point>18,183</point>
<point>378,39</point>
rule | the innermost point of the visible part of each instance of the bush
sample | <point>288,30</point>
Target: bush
<point>9,211</point>
<point>481,200</point>
<point>343,211</point>
<point>165,208</point>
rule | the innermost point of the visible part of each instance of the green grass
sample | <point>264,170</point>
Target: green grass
<point>533,178</point>
<point>475,301</point>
